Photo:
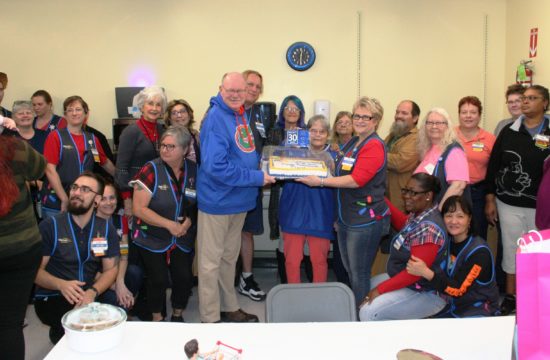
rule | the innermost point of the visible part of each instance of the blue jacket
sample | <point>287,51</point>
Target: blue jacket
<point>229,174</point>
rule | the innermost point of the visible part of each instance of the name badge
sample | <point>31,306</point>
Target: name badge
<point>191,193</point>
<point>430,168</point>
<point>477,146</point>
<point>123,249</point>
<point>99,246</point>
<point>297,138</point>
<point>398,242</point>
<point>261,129</point>
<point>95,153</point>
<point>347,163</point>
<point>542,141</point>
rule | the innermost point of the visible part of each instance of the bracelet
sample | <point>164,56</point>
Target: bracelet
<point>94,290</point>
<point>322,182</point>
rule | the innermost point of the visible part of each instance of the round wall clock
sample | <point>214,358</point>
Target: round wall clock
<point>300,56</point>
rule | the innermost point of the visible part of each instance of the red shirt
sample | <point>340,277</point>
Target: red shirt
<point>52,148</point>
<point>369,160</point>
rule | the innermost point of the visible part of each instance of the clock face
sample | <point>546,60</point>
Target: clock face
<point>300,56</point>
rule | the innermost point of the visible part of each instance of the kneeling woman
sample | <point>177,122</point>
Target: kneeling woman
<point>398,295</point>
<point>164,203</point>
<point>469,280</point>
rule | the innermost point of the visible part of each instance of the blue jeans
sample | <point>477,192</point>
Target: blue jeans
<point>358,248</point>
<point>402,304</point>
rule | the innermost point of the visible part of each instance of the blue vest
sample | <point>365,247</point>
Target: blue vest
<point>70,165</point>
<point>164,202</point>
<point>70,260</point>
<point>400,255</point>
<point>481,299</point>
<point>52,125</point>
<point>439,172</point>
<point>364,205</point>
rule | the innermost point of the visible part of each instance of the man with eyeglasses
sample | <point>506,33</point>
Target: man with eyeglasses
<point>254,221</point>
<point>513,102</point>
<point>402,153</point>
<point>79,256</point>
<point>227,189</point>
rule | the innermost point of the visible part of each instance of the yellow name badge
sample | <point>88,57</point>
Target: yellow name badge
<point>477,146</point>
<point>123,249</point>
<point>347,163</point>
<point>542,141</point>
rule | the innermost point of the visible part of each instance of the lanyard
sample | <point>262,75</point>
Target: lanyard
<point>245,127</point>
<point>83,160</point>
<point>182,194</point>
<point>80,263</point>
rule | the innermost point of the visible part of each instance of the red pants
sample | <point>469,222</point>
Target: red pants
<point>294,253</point>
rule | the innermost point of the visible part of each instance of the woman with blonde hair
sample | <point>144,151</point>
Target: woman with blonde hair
<point>443,156</point>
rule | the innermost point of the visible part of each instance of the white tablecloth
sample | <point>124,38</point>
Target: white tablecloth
<point>476,338</point>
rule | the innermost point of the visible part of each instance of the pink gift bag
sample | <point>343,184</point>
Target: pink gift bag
<point>533,295</point>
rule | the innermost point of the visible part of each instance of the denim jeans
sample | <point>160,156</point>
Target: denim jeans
<point>358,248</point>
<point>402,304</point>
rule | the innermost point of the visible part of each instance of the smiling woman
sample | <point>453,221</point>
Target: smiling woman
<point>442,155</point>
<point>70,152</point>
<point>139,142</point>
<point>360,179</point>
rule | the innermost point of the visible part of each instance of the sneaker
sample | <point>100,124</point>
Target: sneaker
<point>508,305</point>
<point>238,316</point>
<point>250,288</point>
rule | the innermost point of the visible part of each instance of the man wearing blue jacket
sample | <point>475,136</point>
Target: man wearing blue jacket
<point>227,187</point>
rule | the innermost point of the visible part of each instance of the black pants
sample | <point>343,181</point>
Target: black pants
<point>51,309</point>
<point>17,274</point>
<point>157,280</point>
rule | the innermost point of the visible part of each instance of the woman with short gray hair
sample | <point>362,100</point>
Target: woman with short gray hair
<point>164,226</point>
<point>23,115</point>
<point>139,142</point>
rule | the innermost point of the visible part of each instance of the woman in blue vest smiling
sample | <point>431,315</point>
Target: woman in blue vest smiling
<point>69,153</point>
<point>363,216</point>
<point>164,204</point>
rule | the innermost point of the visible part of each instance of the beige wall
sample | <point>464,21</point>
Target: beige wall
<point>432,51</point>
<point>522,16</point>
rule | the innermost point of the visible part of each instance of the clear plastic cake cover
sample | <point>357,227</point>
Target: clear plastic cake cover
<point>93,317</point>
<point>284,162</point>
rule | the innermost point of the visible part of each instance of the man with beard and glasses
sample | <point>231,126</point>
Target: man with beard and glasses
<point>76,246</point>
<point>402,153</point>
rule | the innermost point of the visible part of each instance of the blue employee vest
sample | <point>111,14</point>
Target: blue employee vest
<point>439,172</point>
<point>400,255</point>
<point>70,165</point>
<point>481,299</point>
<point>364,205</point>
<point>70,260</point>
<point>164,201</point>
<point>52,125</point>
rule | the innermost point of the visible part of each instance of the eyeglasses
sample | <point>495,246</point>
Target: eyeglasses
<point>178,113</point>
<point>530,98</point>
<point>235,91</point>
<point>405,192</point>
<point>436,123</point>
<point>517,101</point>
<point>292,109</point>
<point>74,110</point>
<point>318,132</point>
<point>362,117</point>
<point>343,123</point>
<point>167,147</point>
<point>83,189</point>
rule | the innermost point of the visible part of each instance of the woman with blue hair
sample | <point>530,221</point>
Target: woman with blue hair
<point>291,117</point>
